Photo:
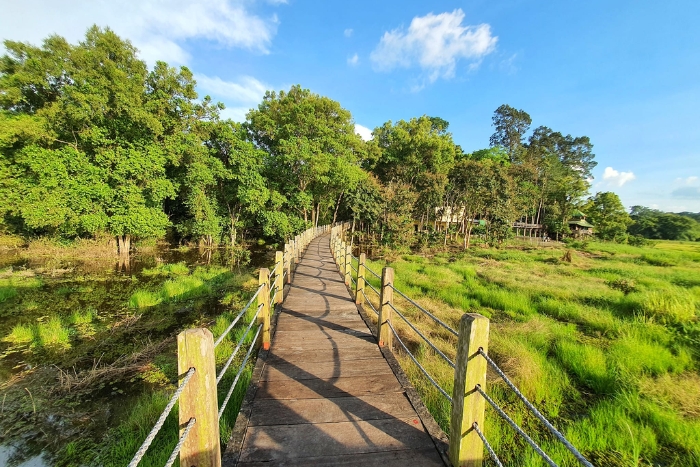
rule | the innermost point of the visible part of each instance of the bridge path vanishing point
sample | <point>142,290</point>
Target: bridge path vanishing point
<point>326,395</point>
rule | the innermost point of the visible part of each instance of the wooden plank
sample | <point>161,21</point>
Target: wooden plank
<point>331,410</point>
<point>294,355</point>
<point>287,323</point>
<point>407,457</point>
<point>327,345</point>
<point>325,370</point>
<point>340,387</point>
<point>332,439</point>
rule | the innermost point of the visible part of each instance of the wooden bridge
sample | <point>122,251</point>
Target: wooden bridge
<point>325,390</point>
<point>324,394</point>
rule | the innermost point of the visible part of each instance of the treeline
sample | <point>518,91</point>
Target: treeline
<point>655,224</point>
<point>94,143</point>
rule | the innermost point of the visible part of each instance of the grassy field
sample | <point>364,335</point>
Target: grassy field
<point>94,353</point>
<point>607,346</point>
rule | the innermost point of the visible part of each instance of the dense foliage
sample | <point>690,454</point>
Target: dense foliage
<point>93,143</point>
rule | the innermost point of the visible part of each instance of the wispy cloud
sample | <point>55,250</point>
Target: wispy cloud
<point>239,96</point>
<point>364,132</point>
<point>434,43</point>
<point>348,32</point>
<point>159,28</point>
<point>692,180</point>
<point>687,192</point>
<point>354,60</point>
<point>615,178</point>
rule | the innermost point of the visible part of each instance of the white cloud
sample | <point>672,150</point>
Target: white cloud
<point>692,180</point>
<point>435,43</point>
<point>364,132</point>
<point>354,60</point>
<point>239,96</point>
<point>615,178</point>
<point>159,28</point>
<point>348,32</point>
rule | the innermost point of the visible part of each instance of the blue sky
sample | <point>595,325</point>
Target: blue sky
<point>624,73</point>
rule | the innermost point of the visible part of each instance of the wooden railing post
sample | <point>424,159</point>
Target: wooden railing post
<point>360,284</point>
<point>288,262</point>
<point>279,271</point>
<point>264,300</point>
<point>466,448</point>
<point>195,349</point>
<point>386,299</point>
<point>348,264</point>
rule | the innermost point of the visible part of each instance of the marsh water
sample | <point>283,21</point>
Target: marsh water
<point>78,344</point>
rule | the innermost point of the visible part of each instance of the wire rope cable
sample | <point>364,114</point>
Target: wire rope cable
<point>370,303</point>
<point>373,273</point>
<point>515,426</point>
<point>372,287</point>
<point>245,308</point>
<point>159,423</point>
<point>435,318</point>
<point>445,357</point>
<point>238,347</point>
<point>535,412</point>
<point>240,371</point>
<point>181,441</point>
<point>430,378</point>
<point>493,455</point>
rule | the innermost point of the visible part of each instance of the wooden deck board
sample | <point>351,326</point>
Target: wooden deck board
<point>326,395</point>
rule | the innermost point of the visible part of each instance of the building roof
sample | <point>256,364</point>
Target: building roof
<point>581,223</point>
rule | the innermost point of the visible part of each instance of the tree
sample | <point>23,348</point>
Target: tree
<point>511,125</point>
<point>307,138</point>
<point>88,109</point>
<point>609,217</point>
<point>655,224</point>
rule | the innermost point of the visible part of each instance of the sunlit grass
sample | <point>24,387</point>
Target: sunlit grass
<point>613,366</point>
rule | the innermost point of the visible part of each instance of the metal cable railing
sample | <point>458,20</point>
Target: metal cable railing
<point>370,303</point>
<point>372,287</point>
<point>433,346</point>
<point>515,426</point>
<point>492,453</point>
<point>534,410</point>
<point>435,318</point>
<point>240,371</point>
<point>181,441</point>
<point>373,273</point>
<point>233,323</point>
<point>159,424</point>
<point>240,343</point>
<point>425,372</point>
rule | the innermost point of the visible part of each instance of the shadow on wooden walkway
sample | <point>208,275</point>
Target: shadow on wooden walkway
<point>324,394</point>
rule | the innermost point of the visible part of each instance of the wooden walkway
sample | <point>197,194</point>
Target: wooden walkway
<point>325,395</point>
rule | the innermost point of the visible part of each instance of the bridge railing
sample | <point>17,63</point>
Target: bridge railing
<point>198,389</point>
<point>469,397</point>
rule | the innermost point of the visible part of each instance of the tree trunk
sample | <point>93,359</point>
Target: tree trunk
<point>337,205</point>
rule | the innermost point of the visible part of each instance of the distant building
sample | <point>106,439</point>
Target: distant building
<point>579,226</point>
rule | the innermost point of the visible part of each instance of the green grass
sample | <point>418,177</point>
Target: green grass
<point>607,346</point>
<point>144,299</point>
<point>172,269</point>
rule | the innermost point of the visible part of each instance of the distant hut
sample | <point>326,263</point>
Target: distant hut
<point>579,226</point>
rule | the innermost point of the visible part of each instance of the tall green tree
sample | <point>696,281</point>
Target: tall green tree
<point>309,139</point>
<point>510,125</point>
<point>609,217</point>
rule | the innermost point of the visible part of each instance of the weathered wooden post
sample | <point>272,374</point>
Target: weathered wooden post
<point>195,349</point>
<point>279,271</point>
<point>466,448</point>
<point>348,264</point>
<point>264,300</point>
<point>288,262</point>
<point>360,284</point>
<point>386,299</point>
